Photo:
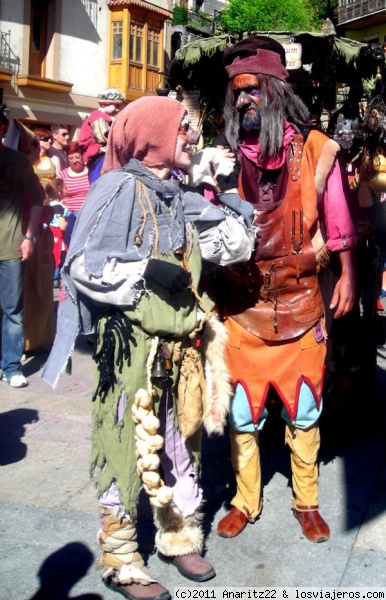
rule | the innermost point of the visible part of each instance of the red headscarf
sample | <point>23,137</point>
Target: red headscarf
<point>145,129</point>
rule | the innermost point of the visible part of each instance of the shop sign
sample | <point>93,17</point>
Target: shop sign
<point>293,54</point>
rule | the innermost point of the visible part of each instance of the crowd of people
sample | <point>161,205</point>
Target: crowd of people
<point>204,308</point>
<point>36,246</point>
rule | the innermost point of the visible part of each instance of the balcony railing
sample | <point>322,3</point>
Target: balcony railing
<point>348,11</point>
<point>199,23</point>
<point>8,60</point>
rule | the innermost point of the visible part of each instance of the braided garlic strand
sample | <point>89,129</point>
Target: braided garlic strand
<point>148,442</point>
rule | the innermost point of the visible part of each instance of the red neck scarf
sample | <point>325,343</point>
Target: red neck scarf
<point>251,149</point>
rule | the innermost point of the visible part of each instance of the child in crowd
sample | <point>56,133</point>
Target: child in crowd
<point>55,191</point>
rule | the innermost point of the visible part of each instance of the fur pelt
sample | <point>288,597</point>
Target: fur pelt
<point>206,164</point>
<point>218,383</point>
<point>177,535</point>
<point>324,165</point>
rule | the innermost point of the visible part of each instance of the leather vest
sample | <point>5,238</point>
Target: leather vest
<point>276,295</point>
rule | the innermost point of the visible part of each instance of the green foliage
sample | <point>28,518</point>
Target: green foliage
<point>368,86</point>
<point>180,15</point>
<point>325,9</point>
<point>268,15</point>
<point>209,130</point>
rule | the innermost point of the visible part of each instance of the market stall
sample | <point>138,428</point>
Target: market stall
<point>319,66</point>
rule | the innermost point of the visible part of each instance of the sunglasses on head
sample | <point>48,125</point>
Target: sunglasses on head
<point>46,138</point>
<point>192,135</point>
<point>183,128</point>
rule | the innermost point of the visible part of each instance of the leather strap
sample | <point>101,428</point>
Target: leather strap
<point>312,508</point>
<point>294,163</point>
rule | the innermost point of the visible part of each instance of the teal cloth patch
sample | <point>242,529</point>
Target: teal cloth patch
<point>308,412</point>
<point>240,416</point>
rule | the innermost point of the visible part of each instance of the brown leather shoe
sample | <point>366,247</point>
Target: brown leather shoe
<point>232,524</point>
<point>137,591</point>
<point>314,527</point>
<point>192,566</point>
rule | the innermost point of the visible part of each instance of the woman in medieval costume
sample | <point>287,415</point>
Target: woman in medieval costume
<point>132,276</point>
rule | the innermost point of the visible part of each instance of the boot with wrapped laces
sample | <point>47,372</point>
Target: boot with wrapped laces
<point>124,569</point>
<point>179,542</point>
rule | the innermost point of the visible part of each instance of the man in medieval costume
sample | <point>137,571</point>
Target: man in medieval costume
<point>272,306</point>
<point>131,276</point>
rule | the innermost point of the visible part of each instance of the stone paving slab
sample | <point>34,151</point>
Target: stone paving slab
<point>365,568</point>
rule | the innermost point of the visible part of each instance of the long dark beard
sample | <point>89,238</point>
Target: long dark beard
<point>250,121</point>
<point>277,104</point>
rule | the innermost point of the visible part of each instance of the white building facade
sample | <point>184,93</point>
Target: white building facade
<point>57,55</point>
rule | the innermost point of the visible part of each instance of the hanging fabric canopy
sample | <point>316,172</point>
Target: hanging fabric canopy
<point>192,53</point>
<point>198,65</point>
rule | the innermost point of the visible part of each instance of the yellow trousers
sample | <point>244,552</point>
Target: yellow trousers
<point>245,454</point>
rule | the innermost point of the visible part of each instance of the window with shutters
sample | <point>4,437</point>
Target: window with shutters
<point>136,35</point>
<point>153,37</point>
<point>38,38</point>
<point>117,40</point>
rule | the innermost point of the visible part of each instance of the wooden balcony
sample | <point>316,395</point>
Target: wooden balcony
<point>41,83</point>
<point>370,10</point>
<point>5,75</point>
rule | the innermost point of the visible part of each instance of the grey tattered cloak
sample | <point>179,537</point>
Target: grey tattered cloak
<point>105,265</point>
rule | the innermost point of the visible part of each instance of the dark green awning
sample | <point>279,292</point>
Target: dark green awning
<point>191,53</point>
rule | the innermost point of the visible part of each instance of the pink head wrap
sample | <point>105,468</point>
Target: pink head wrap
<point>145,129</point>
<point>264,62</point>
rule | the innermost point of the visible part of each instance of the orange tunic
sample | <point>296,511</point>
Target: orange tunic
<point>273,306</point>
<point>257,364</point>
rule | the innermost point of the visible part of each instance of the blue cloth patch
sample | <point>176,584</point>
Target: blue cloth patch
<point>308,412</point>
<point>240,416</point>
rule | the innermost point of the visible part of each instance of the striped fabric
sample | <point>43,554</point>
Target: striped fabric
<point>77,188</point>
